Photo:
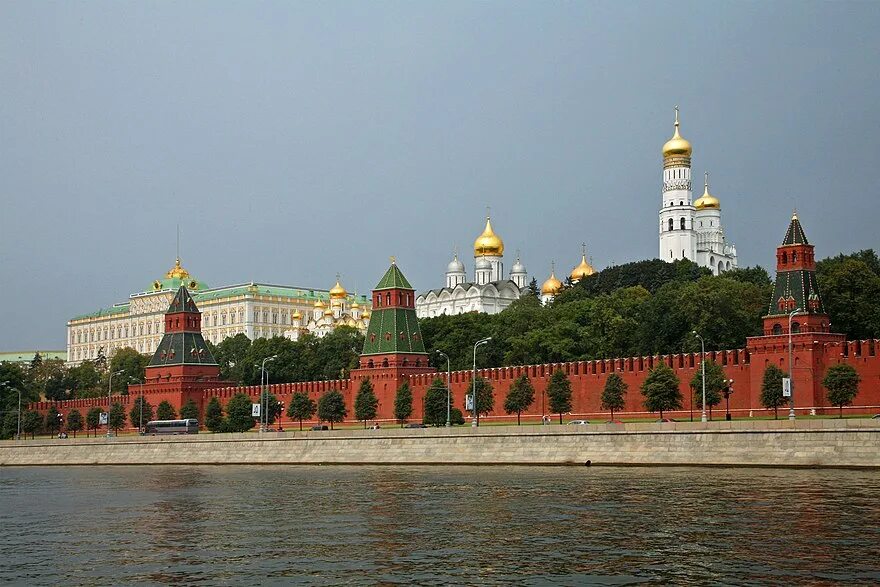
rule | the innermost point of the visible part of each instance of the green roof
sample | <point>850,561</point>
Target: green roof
<point>182,348</point>
<point>28,356</point>
<point>393,279</point>
<point>393,330</point>
<point>117,309</point>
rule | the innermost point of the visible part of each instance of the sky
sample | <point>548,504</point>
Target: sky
<point>292,141</point>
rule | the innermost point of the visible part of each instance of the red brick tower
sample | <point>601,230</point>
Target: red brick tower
<point>182,365</point>
<point>393,346</point>
<point>796,291</point>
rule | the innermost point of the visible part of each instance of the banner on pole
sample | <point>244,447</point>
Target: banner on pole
<point>255,410</point>
<point>786,387</point>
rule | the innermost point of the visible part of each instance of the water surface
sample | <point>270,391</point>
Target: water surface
<point>437,525</point>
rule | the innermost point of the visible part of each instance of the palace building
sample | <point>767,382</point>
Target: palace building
<point>690,230</point>
<point>258,310</point>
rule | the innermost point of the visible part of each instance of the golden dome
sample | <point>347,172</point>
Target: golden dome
<point>296,315</point>
<point>177,272</point>
<point>328,312</point>
<point>320,304</point>
<point>488,243</point>
<point>677,145</point>
<point>366,315</point>
<point>355,305</point>
<point>707,200</point>
<point>552,285</point>
<point>338,292</point>
<point>582,270</point>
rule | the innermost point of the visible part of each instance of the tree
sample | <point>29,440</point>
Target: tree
<point>93,419</point>
<point>84,381</point>
<point>238,414</point>
<point>661,390</point>
<point>842,382</point>
<point>715,383</point>
<point>53,420</point>
<point>613,396</point>
<point>403,403</point>
<point>74,421</point>
<point>56,387</point>
<point>214,415</point>
<point>331,408</point>
<point>189,410</point>
<point>31,422</point>
<point>301,407</point>
<point>436,404</point>
<point>132,365</point>
<point>559,393</point>
<point>485,396</point>
<point>116,417</point>
<point>365,402</point>
<point>850,289</point>
<point>771,389</point>
<point>140,414</point>
<point>165,411</point>
<point>273,406</point>
<point>519,397</point>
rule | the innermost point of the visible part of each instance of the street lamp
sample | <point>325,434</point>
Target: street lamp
<point>790,370</point>
<point>728,389</point>
<point>448,393</point>
<point>264,395</point>
<point>6,385</point>
<point>110,391</point>
<point>476,411</point>
<point>280,415</point>
<point>703,363</point>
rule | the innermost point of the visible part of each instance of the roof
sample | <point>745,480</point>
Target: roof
<point>393,330</point>
<point>795,233</point>
<point>182,302</point>
<point>28,356</point>
<point>469,284</point>
<point>182,348</point>
<point>393,279</point>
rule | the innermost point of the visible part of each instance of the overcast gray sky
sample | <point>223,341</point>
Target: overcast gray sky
<point>292,141</point>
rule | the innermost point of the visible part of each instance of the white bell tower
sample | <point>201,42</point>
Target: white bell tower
<point>678,237</point>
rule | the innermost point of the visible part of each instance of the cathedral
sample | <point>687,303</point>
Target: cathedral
<point>690,230</point>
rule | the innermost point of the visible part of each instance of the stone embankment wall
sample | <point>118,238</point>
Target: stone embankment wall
<point>816,443</point>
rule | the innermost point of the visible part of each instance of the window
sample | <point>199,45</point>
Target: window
<point>795,327</point>
<point>794,256</point>
<point>784,258</point>
<point>777,329</point>
<point>682,224</point>
<point>671,224</point>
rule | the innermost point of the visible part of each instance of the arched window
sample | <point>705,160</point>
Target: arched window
<point>795,327</point>
<point>777,328</point>
<point>682,224</point>
<point>385,362</point>
<point>671,224</point>
<point>784,258</point>
<point>370,364</point>
<point>794,256</point>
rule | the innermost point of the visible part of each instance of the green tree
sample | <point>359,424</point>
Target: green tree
<point>842,382</point>
<point>53,420</point>
<point>165,411</point>
<point>93,419</point>
<point>56,387</point>
<point>771,389</point>
<point>661,390</point>
<point>84,381</point>
<point>850,290</point>
<point>301,407</point>
<point>519,397</point>
<point>365,402</point>
<point>273,406</point>
<point>189,410</point>
<point>403,403</point>
<point>331,408</point>
<point>136,416</point>
<point>231,355</point>
<point>74,421</point>
<point>715,383</point>
<point>116,417</point>
<point>214,415</point>
<point>238,414</point>
<point>559,393</point>
<point>614,394</point>
<point>485,396</point>
<point>435,404</point>
<point>31,422</point>
<point>132,365</point>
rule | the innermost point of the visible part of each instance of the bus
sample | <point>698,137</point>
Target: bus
<point>188,426</point>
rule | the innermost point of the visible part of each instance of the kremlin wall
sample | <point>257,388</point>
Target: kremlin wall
<point>182,367</point>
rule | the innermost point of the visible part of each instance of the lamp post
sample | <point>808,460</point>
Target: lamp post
<point>264,395</point>
<point>790,370</point>
<point>728,389</point>
<point>476,411</point>
<point>6,385</point>
<point>109,392</point>
<point>280,415</point>
<point>448,393</point>
<point>703,363</point>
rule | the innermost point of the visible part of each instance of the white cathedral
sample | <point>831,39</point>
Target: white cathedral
<point>690,230</point>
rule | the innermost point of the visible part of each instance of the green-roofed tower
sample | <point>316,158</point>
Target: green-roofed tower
<point>182,343</point>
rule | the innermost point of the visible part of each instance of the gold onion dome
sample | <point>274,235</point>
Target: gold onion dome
<point>677,145</point>
<point>366,315</point>
<point>552,285</point>
<point>582,270</point>
<point>355,305</point>
<point>319,304</point>
<point>707,200</point>
<point>296,315</point>
<point>177,272</point>
<point>328,312</point>
<point>337,292</point>
<point>488,243</point>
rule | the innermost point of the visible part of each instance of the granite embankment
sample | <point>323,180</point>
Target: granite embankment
<point>804,443</point>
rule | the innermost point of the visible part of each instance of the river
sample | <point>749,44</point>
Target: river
<point>438,525</point>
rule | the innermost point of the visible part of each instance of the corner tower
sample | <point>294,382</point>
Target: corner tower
<point>678,239</point>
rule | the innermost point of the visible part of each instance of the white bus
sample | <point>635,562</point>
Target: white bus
<point>188,426</point>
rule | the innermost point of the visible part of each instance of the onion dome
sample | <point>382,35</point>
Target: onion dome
<point>328,312</point>
<point>707,200</point>
<point>366,315</point>
<point>518,267</point>
<point>584,269</point>
<point>176,277</point>
<point>355,305</point>
<point>488,243</point>
<point>677,146</point>
<point>337,292</point>
<point>482,263</point>
<point>320,304</point>
<point>455,266</point>
<point>552,285</point>
<point>296,315</point>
